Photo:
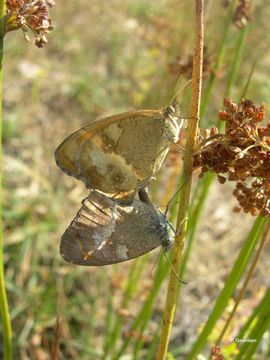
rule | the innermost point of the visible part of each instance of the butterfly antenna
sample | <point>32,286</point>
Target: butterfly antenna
<point>171,199</point>
<point>171,227</point>
<point>173,98</point>
<point>173,269</point>
<point>180,90</point>
<point>179,147</point>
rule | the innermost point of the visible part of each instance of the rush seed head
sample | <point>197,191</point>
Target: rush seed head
<point>241,154</point>
<point>29,15</point>
<point>242,14</point>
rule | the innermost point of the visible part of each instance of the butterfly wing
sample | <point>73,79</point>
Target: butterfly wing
<point>106,232</point>
<point>118,155</point>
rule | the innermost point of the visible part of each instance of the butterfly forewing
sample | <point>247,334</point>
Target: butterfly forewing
<point>105,231</point>
<point>118,155</point>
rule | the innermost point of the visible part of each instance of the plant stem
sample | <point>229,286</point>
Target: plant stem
<point>6,324</point>
<point>173,287</point>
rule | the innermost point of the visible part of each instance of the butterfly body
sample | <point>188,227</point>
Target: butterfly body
<point>119,155</point>
<point>107,231</point>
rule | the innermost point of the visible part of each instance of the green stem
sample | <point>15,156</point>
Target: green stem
<point>6,324</point>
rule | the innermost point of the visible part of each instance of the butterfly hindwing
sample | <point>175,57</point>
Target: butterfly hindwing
<point>106,231</point>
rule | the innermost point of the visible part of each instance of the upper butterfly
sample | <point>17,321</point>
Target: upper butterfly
<point>119,155</point>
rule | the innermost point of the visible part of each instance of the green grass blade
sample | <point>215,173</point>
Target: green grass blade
<point>146,310</point>
<point>265,301</point>
<point>248,349</point>
<point>230,284</point>
<point>130,288</point>
<point>109,328</point>
<point>262,313</point>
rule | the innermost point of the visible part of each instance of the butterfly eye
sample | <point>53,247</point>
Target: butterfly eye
<point>168,245</point>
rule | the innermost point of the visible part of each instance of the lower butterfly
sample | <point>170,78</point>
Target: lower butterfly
<point>107,231</point>
<point>119,155</point>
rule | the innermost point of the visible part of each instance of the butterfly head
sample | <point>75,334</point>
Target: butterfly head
<point>167,232</point>
<point>172,116</point>
<point>172,110</point>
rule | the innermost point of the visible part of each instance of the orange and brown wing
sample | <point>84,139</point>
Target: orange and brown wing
<point>68,152</point>
<point>116,155</point>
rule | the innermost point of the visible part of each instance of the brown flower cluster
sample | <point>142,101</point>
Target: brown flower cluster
<point>241,154</point>
<point>29,15</point>
<point>242,14</point>
<point>216,354</point>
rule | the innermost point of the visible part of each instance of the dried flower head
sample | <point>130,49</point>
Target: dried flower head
<point>241,154</point>
<point>216,354</point>
<point>184,67</point>
<point>226,3</point>
<point>242,14</point>
<point>29,15</point>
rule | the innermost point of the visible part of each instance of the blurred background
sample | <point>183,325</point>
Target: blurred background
<point>103,58</point>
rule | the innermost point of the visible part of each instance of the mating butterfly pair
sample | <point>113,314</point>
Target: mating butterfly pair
<point>117,157</point>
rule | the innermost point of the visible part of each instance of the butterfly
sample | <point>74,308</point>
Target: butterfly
<point>107,231</point>
<point>119,155</point>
